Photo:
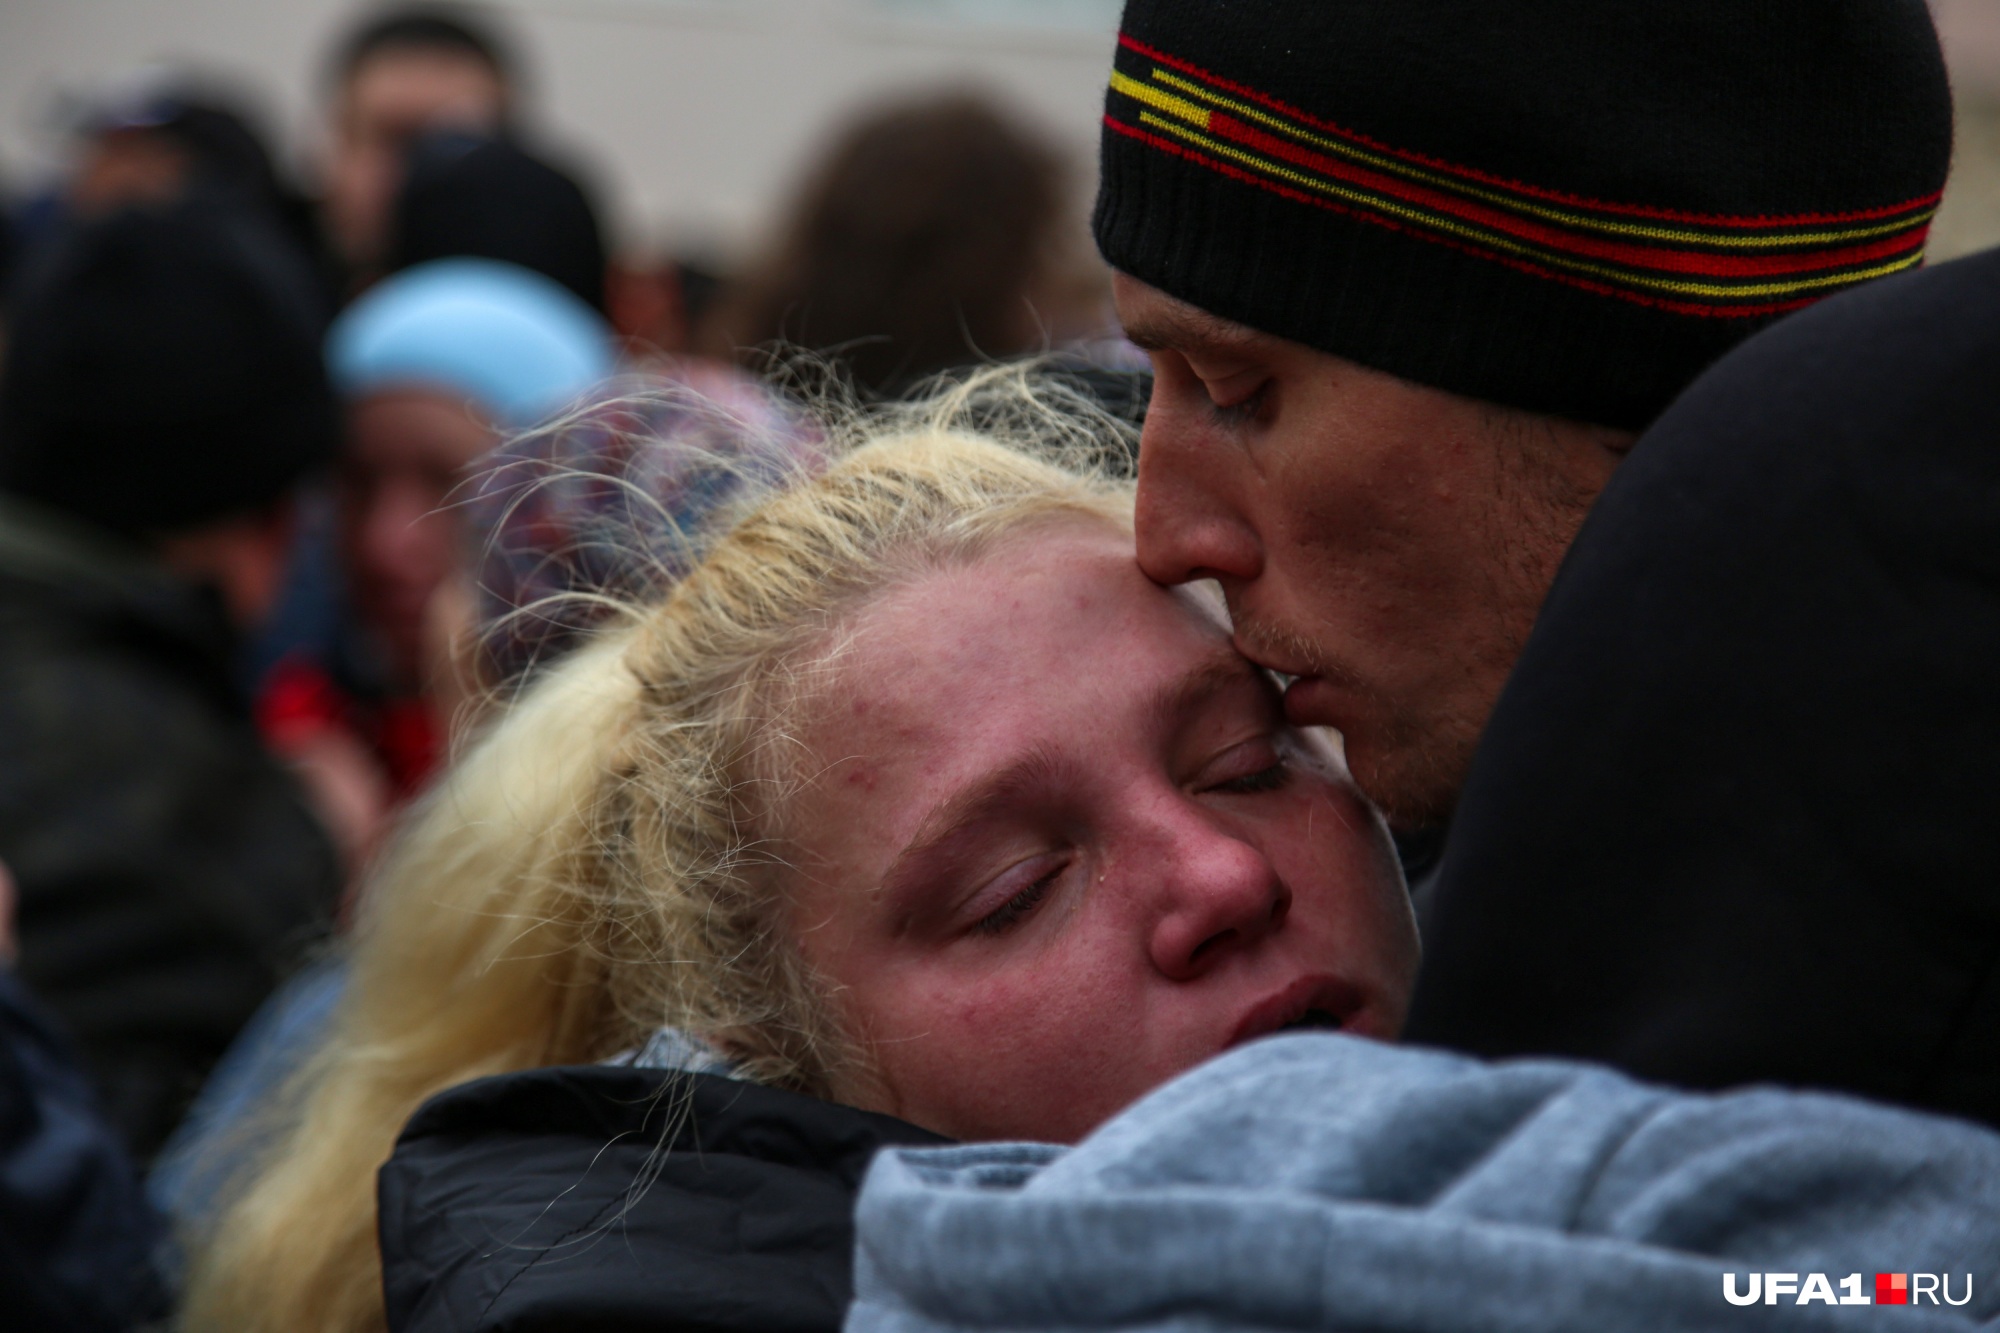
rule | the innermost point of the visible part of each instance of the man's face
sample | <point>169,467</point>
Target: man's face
<point>390,99</point>
<point>1386,543</point>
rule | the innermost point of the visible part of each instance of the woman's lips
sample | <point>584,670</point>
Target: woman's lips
<point>1341,1002</point>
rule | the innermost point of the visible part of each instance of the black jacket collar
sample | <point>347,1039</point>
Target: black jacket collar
<point>599,1198</point>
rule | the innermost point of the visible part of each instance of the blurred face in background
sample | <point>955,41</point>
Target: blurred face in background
<point>127,166</point>
<point>389,99</point>
<point>243,557</point>
<point>935,233</point>
<point>406,451</point>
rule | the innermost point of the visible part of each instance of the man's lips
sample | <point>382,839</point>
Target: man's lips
<point>1312,701</point>
<point>1269,657</point>
<point>1322,1002</point>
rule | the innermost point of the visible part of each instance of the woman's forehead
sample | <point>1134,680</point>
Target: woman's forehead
<point>1043,642</point>
<point>1056,664</point>
<point>1064,593</point>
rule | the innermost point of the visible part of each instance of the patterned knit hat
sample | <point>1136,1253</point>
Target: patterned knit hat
<point>614,503</point>
<point>1569,206</point>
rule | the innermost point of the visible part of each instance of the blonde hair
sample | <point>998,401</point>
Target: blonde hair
<point>597,865</point>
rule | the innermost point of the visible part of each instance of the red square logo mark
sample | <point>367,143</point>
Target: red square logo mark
<point>1892,1288</point>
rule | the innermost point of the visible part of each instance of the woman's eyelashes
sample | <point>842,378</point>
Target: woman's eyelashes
<point>1021,905</point>
<point>1270,778</point>
<point>1257,766</point>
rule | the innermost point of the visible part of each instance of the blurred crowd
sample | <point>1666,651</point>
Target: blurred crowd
<point>258,554</point>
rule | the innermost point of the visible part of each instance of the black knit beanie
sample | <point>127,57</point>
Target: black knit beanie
<point>163,370</point>
<point>1568,206</point>
<point>471,197</point>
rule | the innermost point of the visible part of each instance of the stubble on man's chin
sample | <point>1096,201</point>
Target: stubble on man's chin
<point>1416,782</point>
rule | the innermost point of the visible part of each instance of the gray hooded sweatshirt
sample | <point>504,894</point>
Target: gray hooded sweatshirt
<point>1326,1182</point>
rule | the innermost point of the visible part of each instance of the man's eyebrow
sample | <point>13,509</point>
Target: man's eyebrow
<point>1180,327</point>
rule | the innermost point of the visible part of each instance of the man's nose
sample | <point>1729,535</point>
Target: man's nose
<point>1187,528</point>
<point>1220,895</point>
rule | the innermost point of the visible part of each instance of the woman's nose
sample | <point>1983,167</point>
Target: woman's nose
<point>1219,896</point>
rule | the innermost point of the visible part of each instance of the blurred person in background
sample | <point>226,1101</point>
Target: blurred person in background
<point>434,366</point>
<point>169,133</point>
<point>549,533</point>
<point>343,689</point>
<point>10,251</point>
<point>162,134</point>
<point>564,524</point>
<point>155,141</point>
<point>439,363</point>
<point>163,394</point>
<point>402,73</point>
<point>76,1236</point>
<point>467,196</point>
<point>935,234</point>
<point>658,301</point>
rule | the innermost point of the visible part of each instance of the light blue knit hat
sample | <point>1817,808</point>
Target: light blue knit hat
<point>516,344</point>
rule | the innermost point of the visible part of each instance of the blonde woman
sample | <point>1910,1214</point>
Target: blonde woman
<point>913,800</point>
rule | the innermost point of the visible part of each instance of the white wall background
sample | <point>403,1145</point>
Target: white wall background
<point>697,113</point>
<point>1970,217</point>
<point>693,114</point>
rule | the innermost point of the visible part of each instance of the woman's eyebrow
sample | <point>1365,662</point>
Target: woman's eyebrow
<point>1032,773</point>
<point>1177,698</point>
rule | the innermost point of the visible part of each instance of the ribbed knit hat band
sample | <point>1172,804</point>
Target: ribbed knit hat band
<point>1571,207</point>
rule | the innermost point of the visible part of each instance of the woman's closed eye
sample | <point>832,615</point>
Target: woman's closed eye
<point>1022,904</point>
<point>1270,778</point>
<point>1257,766</point>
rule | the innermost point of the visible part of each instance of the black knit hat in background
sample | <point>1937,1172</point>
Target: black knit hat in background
<point>471,197</point>
<point>163,370</point>
<point>1569,206</point>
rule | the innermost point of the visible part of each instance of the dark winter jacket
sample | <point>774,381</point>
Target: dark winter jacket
<point>76,1236</point>
<point>600,1199</point>
<point>1737,814</point>
<point>168,869</point>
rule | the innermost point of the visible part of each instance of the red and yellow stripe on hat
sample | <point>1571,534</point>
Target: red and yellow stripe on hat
<point>1689,263</point>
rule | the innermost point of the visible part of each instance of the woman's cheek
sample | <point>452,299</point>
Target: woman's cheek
<point>1026,1020</point>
